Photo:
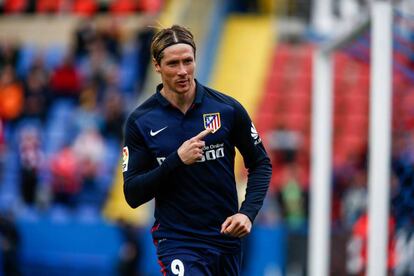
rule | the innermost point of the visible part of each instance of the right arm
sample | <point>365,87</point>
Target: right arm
<point>141,180</point>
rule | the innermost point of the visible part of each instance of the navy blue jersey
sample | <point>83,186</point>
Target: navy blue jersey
<point>192,201</point>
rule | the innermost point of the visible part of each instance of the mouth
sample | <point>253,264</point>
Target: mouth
<point>182,82</point>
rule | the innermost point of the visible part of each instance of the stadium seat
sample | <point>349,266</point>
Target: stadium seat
<point>84,7</point>
<point>123,7</point>
<point>14,6</point>
<point>150,6</point>
<point>265,258</point>
<point>79,248</point>
<point>27,55</point>
<point>48,6</point>
<point>54,55</point>
<point>129,74</point>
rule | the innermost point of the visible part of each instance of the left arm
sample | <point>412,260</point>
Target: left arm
<point>259,168</point>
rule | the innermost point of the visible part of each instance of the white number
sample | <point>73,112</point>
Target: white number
<point>211,155</point>
<point>220,152</point>
<point>177,267</point>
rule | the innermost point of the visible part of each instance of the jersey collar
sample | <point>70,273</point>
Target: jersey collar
<point>197,100</point>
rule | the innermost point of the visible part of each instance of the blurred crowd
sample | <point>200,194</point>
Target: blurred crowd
<point>61,121</point>
<point>61,125</point>
<point>62,118</point>
<point>289,195</point>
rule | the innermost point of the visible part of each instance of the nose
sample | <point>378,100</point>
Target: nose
<point>182,70</point>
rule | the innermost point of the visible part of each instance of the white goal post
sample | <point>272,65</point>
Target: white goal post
<point>380,22</point>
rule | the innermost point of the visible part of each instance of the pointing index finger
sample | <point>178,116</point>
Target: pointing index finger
<point>203,134</point>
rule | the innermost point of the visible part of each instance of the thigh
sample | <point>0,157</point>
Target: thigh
<point>230,264</point>
<point>183,261</point>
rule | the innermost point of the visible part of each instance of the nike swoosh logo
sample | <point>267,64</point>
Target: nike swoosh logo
<point>153,133</point>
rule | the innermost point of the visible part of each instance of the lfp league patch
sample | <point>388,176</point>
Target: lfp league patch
<point>212,121</point>
<point>125,159</point>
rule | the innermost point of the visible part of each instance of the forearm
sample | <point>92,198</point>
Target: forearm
<point>257,186</point>
<point>142,187</point>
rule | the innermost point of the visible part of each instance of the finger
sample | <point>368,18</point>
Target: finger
<point>231,229</point>
<point>236,233</point>
<point>198,144</point>
<point>241,232</point>
<point>242,235</point>
<point>203,134</point>
<point>225,224</point>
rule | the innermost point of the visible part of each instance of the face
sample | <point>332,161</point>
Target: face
<point>177,68</point>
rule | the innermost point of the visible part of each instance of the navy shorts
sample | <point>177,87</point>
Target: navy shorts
<point>175,259</point>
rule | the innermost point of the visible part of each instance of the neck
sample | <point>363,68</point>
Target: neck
<point>182,101</point>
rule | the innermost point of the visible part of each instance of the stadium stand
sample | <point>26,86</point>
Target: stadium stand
<point>54,212</point>
<point>61,162</point>
<point>240,74</point>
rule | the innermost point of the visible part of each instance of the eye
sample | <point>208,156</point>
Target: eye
<point>172,63</point>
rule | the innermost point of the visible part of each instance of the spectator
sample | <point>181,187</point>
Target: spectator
<point>292,199</point>
<point>37,96</point>
<point>143,46</point>
<point>285,144</point>
<point>98,67</point>
<point>11,95</point>
<point>129,254</point>
<point>65,80</point>
<point>86,115</point>
<point>66,182</point>
<point>110,34</point>
<point>38,67</point>
<point>31,161</point>
<point>85,34</point>
<point>114,116</point>
<point>9,245</point>
<point>354,200</point>
<point>89,150</point>
<point>358,247</point>
<point>9,53</point>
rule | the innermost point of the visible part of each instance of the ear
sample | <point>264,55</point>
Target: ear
<point>156,65</point>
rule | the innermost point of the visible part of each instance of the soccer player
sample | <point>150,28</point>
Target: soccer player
<point>180,149</point>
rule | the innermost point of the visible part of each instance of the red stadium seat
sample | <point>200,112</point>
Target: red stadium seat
<point>150,6</point>
<point>85,7</point>
<point>123,7</point>
<point>14,6</point>
<point>48,6</point>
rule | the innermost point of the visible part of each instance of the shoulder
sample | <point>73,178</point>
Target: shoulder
<point>222,98</point>
<point>143,109</point>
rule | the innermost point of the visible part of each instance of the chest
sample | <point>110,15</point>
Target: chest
<point>166,130</point>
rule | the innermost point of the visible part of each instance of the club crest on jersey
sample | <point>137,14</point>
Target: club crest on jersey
<point>212,120</point>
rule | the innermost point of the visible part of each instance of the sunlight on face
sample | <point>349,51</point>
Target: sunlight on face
<point>177,68</point>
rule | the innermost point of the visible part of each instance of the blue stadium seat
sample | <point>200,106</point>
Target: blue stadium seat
<point>26,57</point>
<point>149,263</point>
<point>54,56</point>
<point>69,247</point>
<point>266,251</point>
<point>9,188</point>
<point>58,131</point>
<point>129,69</point>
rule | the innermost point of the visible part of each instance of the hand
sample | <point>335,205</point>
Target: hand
<point>238,225</point>
<point>192,149</point>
